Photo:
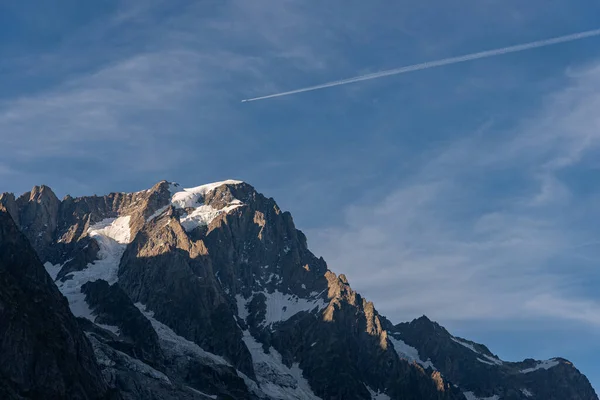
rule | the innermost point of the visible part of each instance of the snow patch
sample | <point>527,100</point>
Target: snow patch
<point>188,198</point>
<point>241,306</point>
<point>377,395</point>
<point>210,396</point>
<point>251,385</point>
<point>409,353</point>
<point>174,188</point>
<point>274,278</point>
<point>174,344</point>
<point>116,229</point>
<point>281,307</point>
<point>465,344</point>
<point>547,364</point>
<point>527,392</point>
<point>157,213</point>
<point>471,396</point>
<point>275,379</point>
<point>53,269</point>
<point>317,294</point>
<point>203,216</point>
<point>493,360</point>
<point>194,198</point>
<point>113,329</point>
<point>490,360</point>
<point>79,307</point>
<point>106,356</point>
<point>112,236</point>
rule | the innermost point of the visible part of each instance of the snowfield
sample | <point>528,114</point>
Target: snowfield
<point>378,396</point>
<point>490,360</point>
<point>547,364</point>
<point>116,229</point>
<point>203,214</point>
<point>176,345</point>
<point>106,356</point>
<point>276,380</point>
<point>409,353</point>
<point>112,235</point>
<point>527,392</point>
<point>187,198</point>
<point>53,269</point>
<point>471,396</point>
<point>279,306</point>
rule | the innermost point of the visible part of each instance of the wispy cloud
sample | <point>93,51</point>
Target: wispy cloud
<point>147,89</point>
<point>489,228</point>
<point>133,104</point>
<point>585,310</point>
<point>113,103</point>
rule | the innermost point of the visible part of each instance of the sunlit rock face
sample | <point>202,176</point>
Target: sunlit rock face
<point>211,292</point>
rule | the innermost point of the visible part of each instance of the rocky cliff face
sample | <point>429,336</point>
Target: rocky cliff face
<point>43,352</point>
<point>211,292</point>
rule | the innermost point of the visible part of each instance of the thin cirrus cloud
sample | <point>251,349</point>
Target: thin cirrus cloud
<point>443,244</point>
<point>104,105</point>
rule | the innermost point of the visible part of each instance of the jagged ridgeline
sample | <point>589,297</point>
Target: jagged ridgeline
<point>212,293</point>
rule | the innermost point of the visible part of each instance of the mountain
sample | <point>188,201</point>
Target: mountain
<point>211,292</point>
<point>43,352</point>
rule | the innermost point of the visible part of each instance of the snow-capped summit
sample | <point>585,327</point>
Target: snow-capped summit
<point>193,200</point>
<point>184,198</point>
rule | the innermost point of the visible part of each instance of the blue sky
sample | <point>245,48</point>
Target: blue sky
<point>469,193</point>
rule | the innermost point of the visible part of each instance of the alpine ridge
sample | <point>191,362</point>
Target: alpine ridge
<point>212,293</point>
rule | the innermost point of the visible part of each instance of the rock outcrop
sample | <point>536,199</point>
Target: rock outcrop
<point>43,352</point>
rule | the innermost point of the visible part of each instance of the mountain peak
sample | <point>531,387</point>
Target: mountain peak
<point>423,319</point>
<point>204,188</point>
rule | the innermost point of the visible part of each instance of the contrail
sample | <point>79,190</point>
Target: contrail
<point>439,63</point>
